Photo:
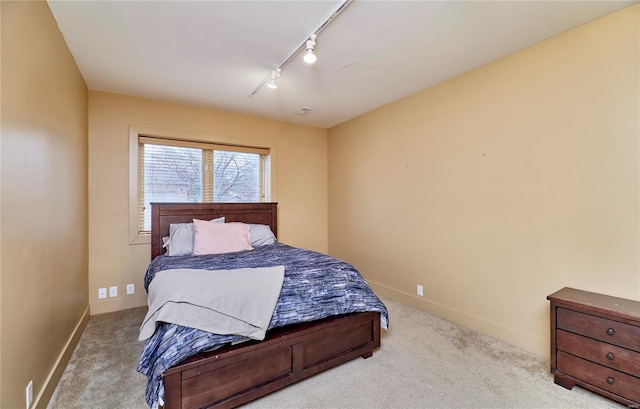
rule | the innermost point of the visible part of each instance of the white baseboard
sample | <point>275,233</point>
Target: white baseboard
<point>42,398</point>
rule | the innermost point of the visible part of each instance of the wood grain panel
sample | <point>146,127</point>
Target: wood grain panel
<point>602,353</point>
<point>606,330</point>
<point>600,376</point>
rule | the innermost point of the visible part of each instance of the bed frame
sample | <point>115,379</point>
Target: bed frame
<point>234,375</point>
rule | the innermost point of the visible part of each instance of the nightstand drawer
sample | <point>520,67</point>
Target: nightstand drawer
<point>600,376</point>
<point>613,332</point>
<point>602,353</point>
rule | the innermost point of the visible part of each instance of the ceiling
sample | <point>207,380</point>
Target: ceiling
<point>215,53</point>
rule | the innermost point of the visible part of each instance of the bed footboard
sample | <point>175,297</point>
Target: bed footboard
<point>234,375</point>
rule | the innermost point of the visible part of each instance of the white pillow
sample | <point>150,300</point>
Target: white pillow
<point>181,238</point>
<point>261,235</point>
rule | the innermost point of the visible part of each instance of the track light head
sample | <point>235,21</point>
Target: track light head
<point>309,56</point>
<point>272,81</point>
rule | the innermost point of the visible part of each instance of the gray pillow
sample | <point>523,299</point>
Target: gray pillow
<point>181,238</point>
<point>261,235</point>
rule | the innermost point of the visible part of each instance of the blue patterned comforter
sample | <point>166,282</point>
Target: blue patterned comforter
<point>315,286</point>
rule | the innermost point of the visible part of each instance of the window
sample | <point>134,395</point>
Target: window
<point>182,171</point>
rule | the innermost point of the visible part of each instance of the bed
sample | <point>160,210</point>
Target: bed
<point>222,374</point>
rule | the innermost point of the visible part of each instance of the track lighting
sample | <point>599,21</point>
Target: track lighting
<point>272,81</point>
<point>309,44</point>
<point>310,57</point>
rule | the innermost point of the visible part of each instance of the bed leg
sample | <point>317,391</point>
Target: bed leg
<point>367,355</point>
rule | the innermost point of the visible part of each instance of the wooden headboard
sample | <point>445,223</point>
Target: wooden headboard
<point>164,214</point>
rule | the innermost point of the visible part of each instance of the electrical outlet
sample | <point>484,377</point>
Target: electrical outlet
<point>113,291</point>
<point>419,290</point>
<point>29,394</point>
<point>102,293</point>
<point>130,289</point>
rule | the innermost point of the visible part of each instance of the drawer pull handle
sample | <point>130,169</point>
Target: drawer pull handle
<point>610,356</point>
<point>610,331</point>
<point>610,381</point>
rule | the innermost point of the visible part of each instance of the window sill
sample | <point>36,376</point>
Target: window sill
<point>141,238</point>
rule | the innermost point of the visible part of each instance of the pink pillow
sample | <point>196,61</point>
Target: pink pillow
<point>217,238</point>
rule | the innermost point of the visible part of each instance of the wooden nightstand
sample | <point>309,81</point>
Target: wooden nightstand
<point>595,344</point>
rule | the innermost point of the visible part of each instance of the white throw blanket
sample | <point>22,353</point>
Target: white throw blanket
<point>223,302</point>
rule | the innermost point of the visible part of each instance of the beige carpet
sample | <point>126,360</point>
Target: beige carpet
<point>424,362</point>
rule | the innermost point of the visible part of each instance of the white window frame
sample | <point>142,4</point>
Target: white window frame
<point>139,237</point>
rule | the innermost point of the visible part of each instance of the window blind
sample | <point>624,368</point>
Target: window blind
<point>186,171</point>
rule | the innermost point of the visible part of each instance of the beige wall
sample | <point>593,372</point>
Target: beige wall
<point>300,181</point>
<point>43,203</point>
<point>500,186</point>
